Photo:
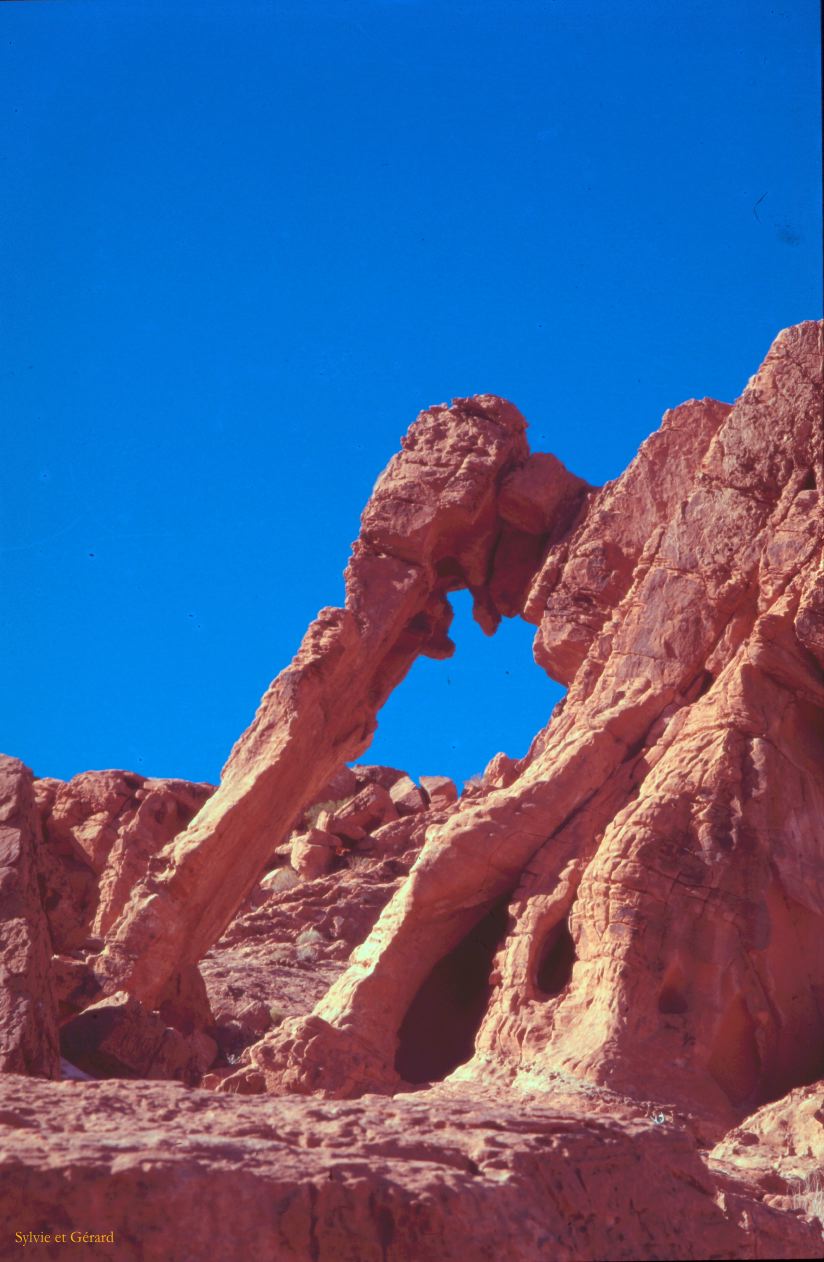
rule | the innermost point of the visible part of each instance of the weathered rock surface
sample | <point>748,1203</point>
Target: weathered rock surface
<point>282,953</point>
<point>632,905</point>
<point>116,1038</point>
<point>542,1001</point>
<point>440,1176</point>
<point>781,1148</point>
<point>101,831</point>
<point>28,1017</point>
<point>102,828</point>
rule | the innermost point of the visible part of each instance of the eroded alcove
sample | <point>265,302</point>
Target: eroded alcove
<point>438,1032</point>
<point>555,958</point>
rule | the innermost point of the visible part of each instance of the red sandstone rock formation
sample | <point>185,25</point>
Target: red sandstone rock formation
<point>440,1176</point>
<point>611,950</point>
<point>434,523</point>
<point>28,1024</point>
<point>102,829</point>
<point>635,897</point>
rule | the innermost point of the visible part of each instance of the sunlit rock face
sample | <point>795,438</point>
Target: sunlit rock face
<point>633,906</point>
<point>544,1000</point>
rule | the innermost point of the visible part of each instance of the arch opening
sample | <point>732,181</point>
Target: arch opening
<point>451,717</point>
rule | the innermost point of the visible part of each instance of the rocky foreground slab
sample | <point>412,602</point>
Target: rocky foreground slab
<point>443,1175</point>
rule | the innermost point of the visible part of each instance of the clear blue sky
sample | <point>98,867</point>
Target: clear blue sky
<point>244,243</point>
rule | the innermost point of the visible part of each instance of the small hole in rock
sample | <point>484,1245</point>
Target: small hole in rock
<point>556,960</point>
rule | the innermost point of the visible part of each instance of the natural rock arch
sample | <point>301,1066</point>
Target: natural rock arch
<point>683,605</point>
<point>462,505</point>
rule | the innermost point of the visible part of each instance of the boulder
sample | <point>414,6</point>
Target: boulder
<point>117,1038</point>
<point>407,797</point>
<point>440,790</point>
<point>313,853</point>
<point>371,807</point>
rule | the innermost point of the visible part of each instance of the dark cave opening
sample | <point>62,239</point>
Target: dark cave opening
<point>438,1032</point>
<point>775,1085</point>
<point>555,962</point>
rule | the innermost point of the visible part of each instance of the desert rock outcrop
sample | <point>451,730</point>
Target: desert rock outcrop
<point>439,1177</point>
<point>640,893</point>
<point>586,994</point>
<point>28,1017</point>
<point>432,525</point>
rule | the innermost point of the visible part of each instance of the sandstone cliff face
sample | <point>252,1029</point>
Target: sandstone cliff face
<point>28,1018</point>
<point>626,923</point>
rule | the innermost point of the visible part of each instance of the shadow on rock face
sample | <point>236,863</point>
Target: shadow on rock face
<point>438,1032</point>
